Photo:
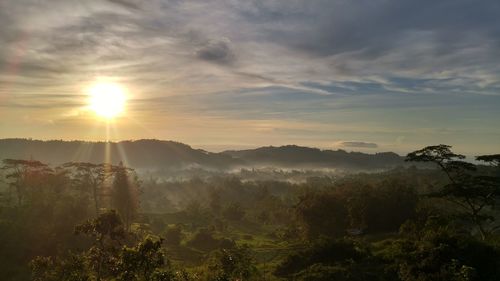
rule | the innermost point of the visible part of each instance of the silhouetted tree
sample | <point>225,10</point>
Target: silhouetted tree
<point>493,159</point>
<point>107,258</point>
<point>124,194</point>
<point>108,235</point>
<point>92,176</point>
<point>23,175</point>
<point>473,193</point>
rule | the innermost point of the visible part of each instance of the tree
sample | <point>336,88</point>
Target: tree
<point>434,249</point>
<point>107,258</point>
<point>173,235</point>
<point>493,159</point>
<point>321,213</point>
<point>108,235</point>
<point>328,259</point>
<point>203,239</point>
<point>144,262</point>
<point>215,201</point>
<point>472,192</point>
<point>124,194</point>
<point>89,175</point>
<point>194,210</point>
<point>55,269</point>
<point>378,207</point>
<point>24,175</point>
<point>235,263</point>
<point>233,212</point>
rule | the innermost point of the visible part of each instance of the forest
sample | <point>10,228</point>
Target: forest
<point>435,218</point>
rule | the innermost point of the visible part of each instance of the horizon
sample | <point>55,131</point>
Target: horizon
<point>223,148</point>
<point>379,76</point>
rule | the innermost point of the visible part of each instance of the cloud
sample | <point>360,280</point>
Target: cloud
<point>357,144</point>
<point>218,51</point>
<point>285,42</point>
<point>384,67</point>
<point>424,39</point>
<point>126,4</point>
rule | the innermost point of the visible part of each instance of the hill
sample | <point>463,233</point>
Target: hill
<point>299,156</point>
<point>160,154</point>
<point>137,154</point>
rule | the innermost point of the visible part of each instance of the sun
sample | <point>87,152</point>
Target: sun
<point>107,99</point>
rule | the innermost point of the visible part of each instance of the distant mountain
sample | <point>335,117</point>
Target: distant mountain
<point>299,156</point>
<point>137,154</point>
<point>165,154</point>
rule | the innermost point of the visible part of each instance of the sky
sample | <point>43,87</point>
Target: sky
<point>362,75</point>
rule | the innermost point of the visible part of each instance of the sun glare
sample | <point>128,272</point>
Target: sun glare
<point>107,99</point>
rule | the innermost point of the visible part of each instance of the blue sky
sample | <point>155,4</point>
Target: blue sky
<point>369,75</point>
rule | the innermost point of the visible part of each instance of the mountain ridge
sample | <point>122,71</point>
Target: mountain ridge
<point>152,153</point>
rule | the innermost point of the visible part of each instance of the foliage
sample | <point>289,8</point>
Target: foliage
<point>493,159</point>
<point>436,250</point>
<point>56,269</point>
<point>324,251</point>
<point>234,263</point>
<point>26,177</point>
<point>203,239</point>
<point>295,223</point>
<point>145,261</point>
<point>173,235</point>
<point>233,212</point>
<point>107,258</point>
<point>321,213</point>
<point>124,194</point>
<point>194,210</point>
<point>474,193</point>
<point>41,221</point>
<point>378,207</point>
<point>90,177</point>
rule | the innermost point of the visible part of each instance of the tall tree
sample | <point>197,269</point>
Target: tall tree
<point>124,197</point>
<point>23,175</point>
<point>472,191</point>
<point>493,159</point>
<point>92,176</point>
